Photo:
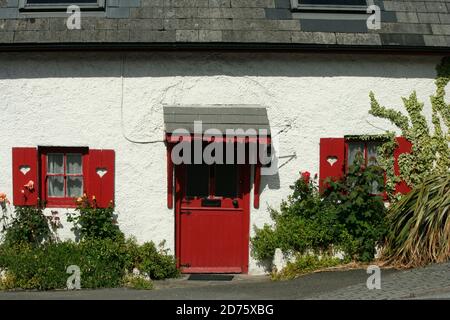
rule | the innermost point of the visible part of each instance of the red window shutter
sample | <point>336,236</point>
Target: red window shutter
<point>332,159</point>
<point>101,176</point>
<point>403,146</point>
<point>25,169</point>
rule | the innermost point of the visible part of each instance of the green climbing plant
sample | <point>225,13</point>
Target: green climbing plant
<point>430,148</point>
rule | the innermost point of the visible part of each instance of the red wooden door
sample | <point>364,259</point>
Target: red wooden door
<point>212,218</point>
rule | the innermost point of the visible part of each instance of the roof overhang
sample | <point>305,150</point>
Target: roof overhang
<point>218,123</point>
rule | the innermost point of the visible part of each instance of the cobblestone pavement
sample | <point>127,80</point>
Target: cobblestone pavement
<point>432,282</point>
<point>422,283</point>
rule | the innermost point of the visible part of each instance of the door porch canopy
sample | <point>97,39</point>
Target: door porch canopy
<point>246,123</point>
<point>215,123</point>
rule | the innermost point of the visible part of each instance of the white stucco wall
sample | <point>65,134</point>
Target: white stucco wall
<point>71,99</point>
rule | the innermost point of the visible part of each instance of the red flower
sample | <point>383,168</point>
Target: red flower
<point>305,176</point>
<point>29,185</point>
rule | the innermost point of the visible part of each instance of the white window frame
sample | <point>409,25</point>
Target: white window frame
<point>297,5</point>
<point>45,7</point>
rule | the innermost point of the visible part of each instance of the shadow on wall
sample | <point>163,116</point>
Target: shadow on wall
<point>272,182</point>
<point>236,64</point>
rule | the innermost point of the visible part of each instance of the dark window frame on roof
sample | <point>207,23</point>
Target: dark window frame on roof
<point>297,5</point>
<point>59,6</point>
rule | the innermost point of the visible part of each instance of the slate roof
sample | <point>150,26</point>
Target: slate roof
<point>422,25</point>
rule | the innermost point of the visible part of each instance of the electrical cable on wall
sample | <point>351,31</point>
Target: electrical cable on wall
<point>122,70</point>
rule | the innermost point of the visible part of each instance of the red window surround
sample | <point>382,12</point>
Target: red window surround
<point>72,172</point>
<point>333,159</point>
<point>66,200</point>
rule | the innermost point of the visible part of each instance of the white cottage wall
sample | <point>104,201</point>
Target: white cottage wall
<point>75,99</point>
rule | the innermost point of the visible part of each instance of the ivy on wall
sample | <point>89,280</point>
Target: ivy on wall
<point>430,151</point>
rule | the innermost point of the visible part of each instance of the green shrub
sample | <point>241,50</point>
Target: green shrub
<point>305,264</point>
<point>103,263</point>
<point>29,225</point>
<point>346,217</point>
<point>44,267</point>
<point>419,228</point>
<point>361,213</point>
<point>304,222</point>
<point>91,222</point>
<point>430,154</point>
<point>137,282</point>
<point>152,261</point>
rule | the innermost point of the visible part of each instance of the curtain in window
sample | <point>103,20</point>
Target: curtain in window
<point>74,186</point>
<point>55,163</point>
<point>56,186</point>
<point>74,165</point>
<point>372,153</point>
<point>353,149</point>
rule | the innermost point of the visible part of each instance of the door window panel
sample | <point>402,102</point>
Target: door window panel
<point>226,181</point>
<point>197,180</point>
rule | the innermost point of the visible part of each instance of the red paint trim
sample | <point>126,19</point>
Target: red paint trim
<point>331,147</point>
<point>246,216</point>
<point>257,185</point>
<point>403,146</point>
<point>64,202</point>
<point>25,157</point>
<point>213,270</point>
<point>169,177</point>
<point>180,180</point>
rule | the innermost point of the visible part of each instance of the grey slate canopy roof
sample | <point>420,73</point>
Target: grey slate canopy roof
<point>221,117</point>
<point>405,24</point>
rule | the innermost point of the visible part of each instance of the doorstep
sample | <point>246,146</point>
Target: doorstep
<point>184,282</point>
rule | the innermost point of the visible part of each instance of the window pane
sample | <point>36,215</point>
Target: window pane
<point>55,163</point>
<point>74,186</point>
<point>60,1</point>
<point>353,149</point>
<point>197,184</point>
<point>376,188</point>
<point>335,2</point>
<point>74,164</point>
<point>226,180</point>
<point>56,186</point>
<point>372,153</point>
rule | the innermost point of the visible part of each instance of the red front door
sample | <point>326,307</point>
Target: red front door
<point>212,217</point>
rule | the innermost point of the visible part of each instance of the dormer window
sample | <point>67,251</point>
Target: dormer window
<point>60,5</point>
<point>330,5</point>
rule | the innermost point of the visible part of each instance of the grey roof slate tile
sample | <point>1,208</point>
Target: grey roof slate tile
<point>404,23</point>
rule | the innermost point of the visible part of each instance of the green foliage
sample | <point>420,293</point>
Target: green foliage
<point>304,222</point>
<point>419,231</point>
<point>346,217</point>
<point>94,223</point>
<point>137,282</point>
<point>150,260</point>
<point>360,211</point>
<point>103,263</point>
<point>44,267</point>
<point>430,152</point>
<point>29,225</point>
<point>305,264</point>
